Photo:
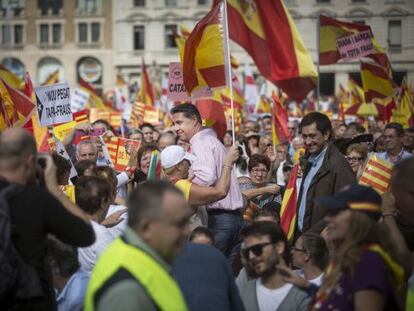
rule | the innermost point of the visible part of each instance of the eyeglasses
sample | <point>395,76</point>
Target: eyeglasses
<point>256,249</point>
<point>293,249</point>
<point>258,170</point>
<point>354,159</point>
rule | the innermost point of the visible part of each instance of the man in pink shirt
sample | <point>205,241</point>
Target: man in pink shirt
<point>225,216</point>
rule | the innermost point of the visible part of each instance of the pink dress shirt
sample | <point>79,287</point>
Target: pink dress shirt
<point>210,153</point>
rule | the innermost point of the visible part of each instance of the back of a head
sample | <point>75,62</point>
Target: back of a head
<point>62,258</point>
<point>270,229</point>
<point>63,167</point>
<point>146,201</point>
<point>315,245</point>
<point>15,146</point>
<point>83,165</point>
<point>90,192</point>
<point>322,122</point>
<point>189,110</point>
<point>204,232</point>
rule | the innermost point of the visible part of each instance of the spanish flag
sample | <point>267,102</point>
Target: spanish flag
<point>53,78</point>
<point>95,100</point>
<point>203,62</point>
<point>280,130</point>
<point>10,78</point>
<point>404,113</point>
<point>212,114</point>
<point>375,81</point>
<point>146,92</point>
<point>180,40</point>
<point>16,109</point>
<point>267,32</point>
<point>288,208</point>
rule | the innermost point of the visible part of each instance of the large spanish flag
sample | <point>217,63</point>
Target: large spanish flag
<point>267,32</point>
<point>203,62</point>
<point>288,208</point>
<point>146,92</point>
<point>375,81</point>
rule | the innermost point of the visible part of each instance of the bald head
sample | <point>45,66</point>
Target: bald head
<point>16,145</point>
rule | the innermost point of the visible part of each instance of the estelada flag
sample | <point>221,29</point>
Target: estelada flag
<point>280,130</point>
<point>203,62</point>
<point>267,32</point>
<point>53,78</point>
<point>377,174</point>
<point>13,80</point>
<point>16,109</point>
<point>146,92</point>
<point>288,208</point>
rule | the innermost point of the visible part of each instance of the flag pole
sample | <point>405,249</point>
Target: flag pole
<point>318,91</point>
<point>228,67</point>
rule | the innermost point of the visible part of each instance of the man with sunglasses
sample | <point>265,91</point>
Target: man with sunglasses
<point>263,248</point>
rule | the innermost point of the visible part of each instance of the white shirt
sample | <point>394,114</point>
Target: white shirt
<point>317,281</point>
<point>280,178</point>
<point>119,228</point>
<point>89,255</point>
<point>270,299</point>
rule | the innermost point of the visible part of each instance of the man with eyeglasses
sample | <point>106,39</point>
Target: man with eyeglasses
<point>394,152</point>
<point>264,247</point>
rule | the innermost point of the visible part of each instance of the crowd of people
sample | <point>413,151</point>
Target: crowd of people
<point>206,233</point>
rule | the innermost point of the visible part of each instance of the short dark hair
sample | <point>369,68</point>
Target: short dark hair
<point>395,126</point>
<point>144,149</point>
<point>145,202</point>
<point>83,165</point>
<point>146,124</point>
<point>133,131</point>
<point>202,231</point>
<point>358,127</point>
<point>272,230</point>
<point>15,151</point>
<point>270,209</point>
<point>257,159</point>
<point>409,130</point>
<point>106,124</point>
<point>90,191</point>
<point>315,245</point>
<point>189,110</point>
<point>62,258</point>
<point>323,124</point>
<point>63,166</point>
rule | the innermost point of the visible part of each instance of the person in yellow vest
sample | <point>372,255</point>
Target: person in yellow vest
<point>176,163</point>
<point>134,271</point>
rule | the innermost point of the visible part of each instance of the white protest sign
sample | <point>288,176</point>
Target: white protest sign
<point>79,100</point>
<point>176,90</point>
<point>53,104</point>
<point>355,46</point>
<point>60,149</point>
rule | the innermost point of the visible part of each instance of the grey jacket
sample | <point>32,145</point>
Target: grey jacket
<point>296,299</point>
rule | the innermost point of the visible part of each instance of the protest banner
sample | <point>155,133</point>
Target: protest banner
<point>176,90</point>
<point>152,115</point>
<point>125,147</point>
<point>53,104</point>
<point>79,99</point>
<point>355,46</point>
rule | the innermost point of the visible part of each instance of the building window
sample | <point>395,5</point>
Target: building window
<point>139,37</point>
<point>90,7</point>
<point>139,2</point>
<point>394,34</point>
<point>96,32</point>
<point>5,34</point>
<point>47,66</point>
<point>169,36</point>
<point>323,1</point>
<point>18,34</point>
<point>15,66</point>
<point>44,33</point>
<point>56,33</point>
<point>358,1</point>
<point>83,32</point>
<point>170,3</point>
<point>202,2</point>
<point>14,7</point>
<point>54,6</point>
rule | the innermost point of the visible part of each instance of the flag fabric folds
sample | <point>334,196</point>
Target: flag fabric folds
<point>146,92</point>
<point>288,208</point>
<point>267,32</point>
<point>280,130</point>
<point>94,101</point>
<point>377,174</point>
<point>375,81</point>
<point>404,112</point>
<point>13,80</point>
<point>203,62</point>
<point>212,114</point>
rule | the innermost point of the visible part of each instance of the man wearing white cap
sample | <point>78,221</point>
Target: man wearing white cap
<point>176,164</point>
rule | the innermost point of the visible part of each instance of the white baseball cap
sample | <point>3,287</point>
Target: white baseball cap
<point>172,155</point>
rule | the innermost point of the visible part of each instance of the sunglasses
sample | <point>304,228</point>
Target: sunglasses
<point>294,249</point>
<point>256,249</point>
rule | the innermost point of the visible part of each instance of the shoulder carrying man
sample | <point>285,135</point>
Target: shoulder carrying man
<point>326,173</point>
<point>36,212</point>
<point>224,216</point>
<point>134,271</point>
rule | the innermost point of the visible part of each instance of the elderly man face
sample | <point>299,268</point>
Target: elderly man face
<point>87,151</point>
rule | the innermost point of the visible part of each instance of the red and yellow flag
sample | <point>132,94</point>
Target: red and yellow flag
<point>267,32</point>
<point>203,62</point>
<point>212,114</point>
<point>16,108</point>
<point>377,174</point>
<point>52,78</point>
<point>146,92</point>
<point>95,100</point>
<point>288,208</point>
<point>10,78</point>
<point>375,81</point>
<point>280,132</point>
<point>404,112</point>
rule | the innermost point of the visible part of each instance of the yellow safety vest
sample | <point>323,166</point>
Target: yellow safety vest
<point>158,283</point>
